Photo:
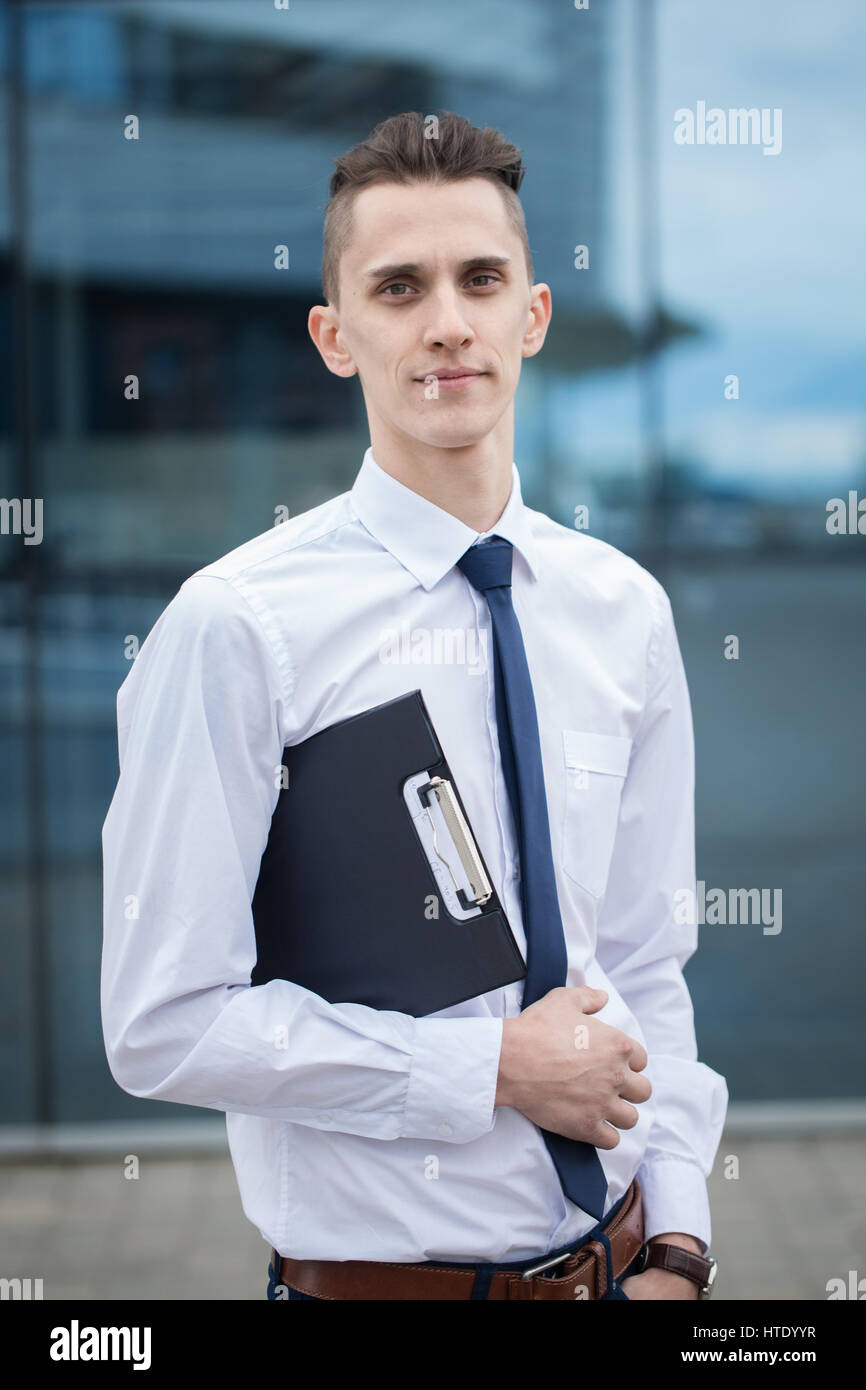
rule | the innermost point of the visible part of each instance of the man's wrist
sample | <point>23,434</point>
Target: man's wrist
<point>687,1242</point>
<point>662,1256</point>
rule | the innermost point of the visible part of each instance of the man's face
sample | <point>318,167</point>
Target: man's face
<point>436,311</point>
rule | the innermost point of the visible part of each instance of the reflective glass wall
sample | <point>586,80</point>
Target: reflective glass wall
<point>163,176</point>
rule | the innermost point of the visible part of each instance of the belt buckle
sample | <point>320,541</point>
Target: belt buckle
<point>547,1264</point>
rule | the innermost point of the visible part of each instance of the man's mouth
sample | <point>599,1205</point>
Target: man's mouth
<point>452,378</point>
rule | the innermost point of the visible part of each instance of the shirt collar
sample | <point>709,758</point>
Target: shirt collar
<point>427,540</point>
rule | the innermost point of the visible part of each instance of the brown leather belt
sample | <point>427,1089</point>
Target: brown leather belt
<point>580,1275</point>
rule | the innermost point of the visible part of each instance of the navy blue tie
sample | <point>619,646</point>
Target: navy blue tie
<point>487,566</point>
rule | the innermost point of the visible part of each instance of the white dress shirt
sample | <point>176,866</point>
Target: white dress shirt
<point>366,1134</point>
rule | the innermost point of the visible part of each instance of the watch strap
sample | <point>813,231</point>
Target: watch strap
<point>698,1268</point>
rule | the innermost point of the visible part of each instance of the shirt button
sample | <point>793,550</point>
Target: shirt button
<point>445,1131</point>
<point>325,1119</point>
<point>515,872</point>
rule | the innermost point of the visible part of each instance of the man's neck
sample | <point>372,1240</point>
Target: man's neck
<point>473,484</point>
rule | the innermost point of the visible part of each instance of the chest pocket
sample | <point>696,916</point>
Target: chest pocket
<point>595,770</point>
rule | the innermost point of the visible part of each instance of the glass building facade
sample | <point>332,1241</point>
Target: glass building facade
<point>160,402</point>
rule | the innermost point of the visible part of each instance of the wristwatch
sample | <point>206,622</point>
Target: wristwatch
<point>700,1269</point>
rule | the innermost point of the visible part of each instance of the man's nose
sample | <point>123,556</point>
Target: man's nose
<point>447,325</point>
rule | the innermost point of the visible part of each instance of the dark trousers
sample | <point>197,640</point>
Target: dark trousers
<point>484,1272</point>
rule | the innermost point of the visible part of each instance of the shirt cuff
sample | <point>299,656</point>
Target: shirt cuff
<point>675,1198</point>
<point>452,1081</point>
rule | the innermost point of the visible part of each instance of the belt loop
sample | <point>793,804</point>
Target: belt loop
<point>601,1238</point>
<point>273,1273</point>
<point>483,1279</point>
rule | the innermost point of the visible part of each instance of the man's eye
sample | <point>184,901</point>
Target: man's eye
<point>397,285</point>
<point>484,276</point>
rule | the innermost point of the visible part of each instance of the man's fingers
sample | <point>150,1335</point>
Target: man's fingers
<point>636,1088</point>
<point>606,1137</point>
<point>590,999</point>
<point>637,1058</point>
<point>621,1114</point>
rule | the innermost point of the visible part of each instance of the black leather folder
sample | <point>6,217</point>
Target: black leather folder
<point>346,901</point>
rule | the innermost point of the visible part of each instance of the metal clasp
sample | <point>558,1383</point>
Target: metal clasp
<point>458,828</point>
<point>546,1264</point>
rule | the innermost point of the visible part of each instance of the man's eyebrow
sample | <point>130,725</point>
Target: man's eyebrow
<point>384,272</point>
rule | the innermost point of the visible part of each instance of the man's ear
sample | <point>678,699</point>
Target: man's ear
<point>323,325</point>
<point>538,319</point>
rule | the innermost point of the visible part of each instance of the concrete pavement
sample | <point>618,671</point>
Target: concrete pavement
<point>793,1218</point>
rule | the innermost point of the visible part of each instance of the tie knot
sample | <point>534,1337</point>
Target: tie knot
<point>487,565</point>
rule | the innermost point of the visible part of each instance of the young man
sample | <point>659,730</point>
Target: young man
<point>383,1156</point>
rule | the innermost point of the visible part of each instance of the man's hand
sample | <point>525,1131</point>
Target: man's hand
<point>570,1073</point>
<point>661,1283</point>
<point>574,1075</point>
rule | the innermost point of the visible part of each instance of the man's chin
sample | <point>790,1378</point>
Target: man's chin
<point>458,434</point>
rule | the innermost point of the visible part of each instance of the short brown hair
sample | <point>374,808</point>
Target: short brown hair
<point>400,150</point>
